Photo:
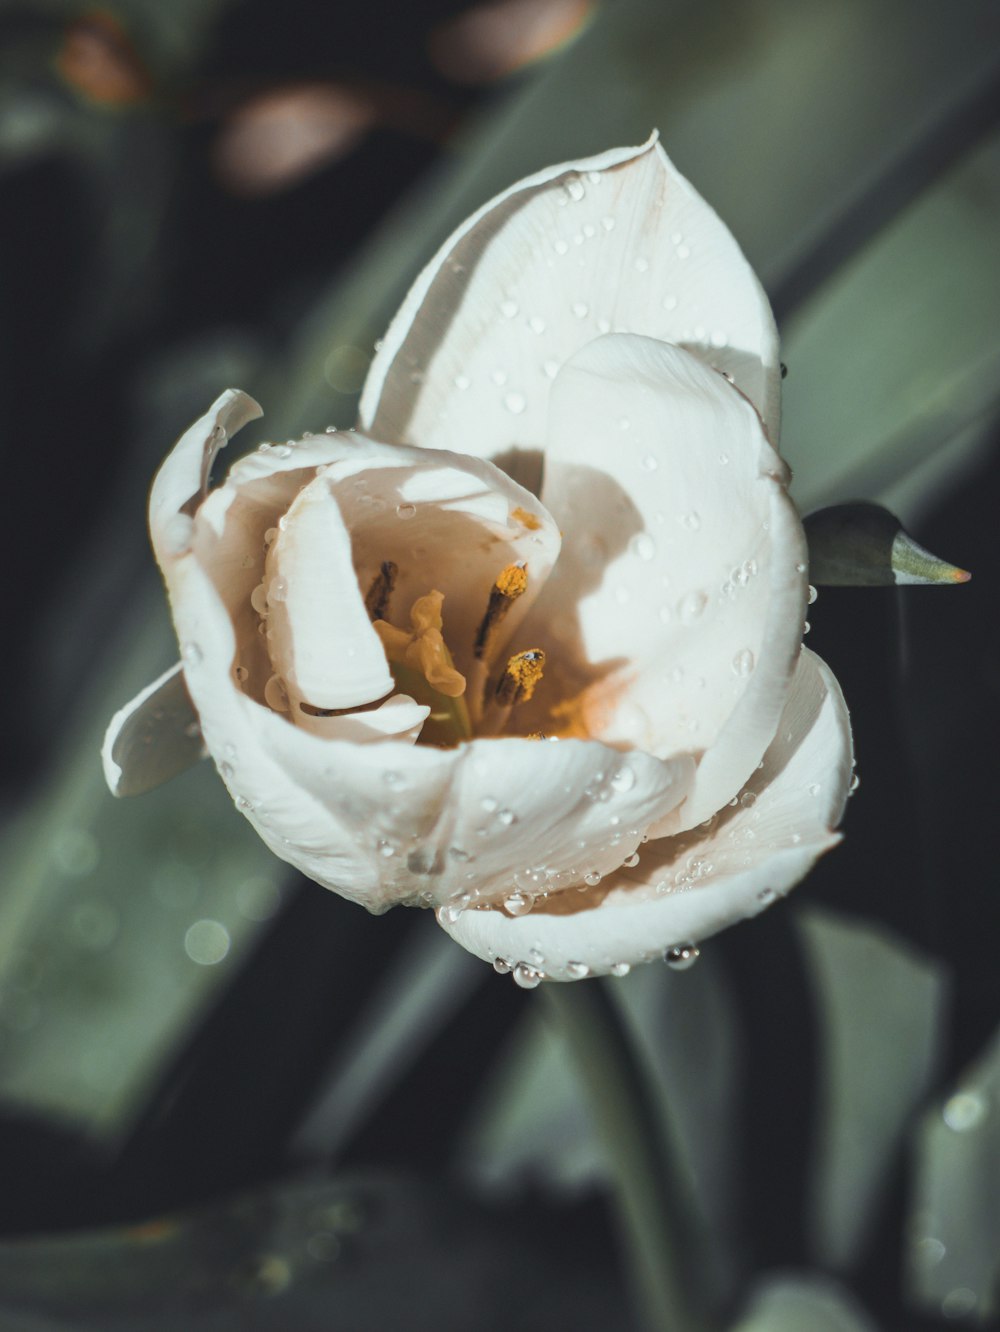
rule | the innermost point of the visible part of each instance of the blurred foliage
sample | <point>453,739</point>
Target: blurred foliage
<point>180,1021</point>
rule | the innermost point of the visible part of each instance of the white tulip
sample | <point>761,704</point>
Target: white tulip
<point>575,411</point>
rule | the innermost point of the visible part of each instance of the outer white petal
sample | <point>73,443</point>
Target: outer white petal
<point>432,826</point>
<point>680,592</point>
<point>686,888</point>
<point>152,738</point>
<point>617,242</point>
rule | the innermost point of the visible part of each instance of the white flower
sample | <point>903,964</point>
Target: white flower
<point>363,623</point>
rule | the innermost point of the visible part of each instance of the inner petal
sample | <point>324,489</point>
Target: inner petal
<point>322,643</point>
<point>657,614</point>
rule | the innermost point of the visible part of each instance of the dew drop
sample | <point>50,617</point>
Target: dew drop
<point>258,599</point>
<point>723,459</point>
<point>537,324</point>
<point>691,606</point>
<point>509,309</point>
<point>631,861</point>
<point>461,382</point>
<point>855,783</point>
<point>501,966</point>
<point>766,896</point>
<point>649,463</point>
<point>518,904</point>
<point>813,594</point>
<point>623,780</point>
<point>683,251</point>
<point>244,805</point>
<point>278,590</point>
<point>515,403</point>
<point>488,804</point>
<point>608,223</point>
<point>241,673</point>
<point>405,511</point>
<point>964,1111</point>
<point>574,189</point>
<point>681,956</point>
<point>580,309</point>
<point>386,849</point>
<point>449,914</point>
<point>499,377</point>
<point>642,546</point>
<point>748,799</point>
<point>592,879</point>
<point>527,977</point>
<point>641,265</point>
<point>275,694</point>
<point>800,568</point>
<point>743,662</point>
<point>191,654</point>
<point>620,968</point>
<point>551,368</point>
<point>690,521</point>
<point>813,788</point>
<point>560,246</point>
<point>578,970</point>
<point>507,817</point>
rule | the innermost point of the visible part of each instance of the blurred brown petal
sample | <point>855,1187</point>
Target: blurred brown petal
<point>280,137</point>
<point>493,40</point>
<point>97,59</point>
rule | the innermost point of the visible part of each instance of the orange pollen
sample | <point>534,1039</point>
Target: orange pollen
<point>524,671</point>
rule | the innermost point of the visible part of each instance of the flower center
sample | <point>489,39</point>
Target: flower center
<point>423,667</point>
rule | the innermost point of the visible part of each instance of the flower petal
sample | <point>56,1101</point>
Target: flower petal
<point>617,242</point>
<point>675,611</point>
<point>686,888</point>
<point>152,738</point>
<point>321,641</point>
<point>433,826</point>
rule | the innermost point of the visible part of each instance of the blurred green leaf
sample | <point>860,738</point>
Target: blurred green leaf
<point>953,1263</point>
<point>881,1007</point>
<point>354,1253</point>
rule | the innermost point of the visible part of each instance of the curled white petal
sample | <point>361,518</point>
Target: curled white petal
<point>687,887</point>
<point>675,611</point>
<point>616,242</point>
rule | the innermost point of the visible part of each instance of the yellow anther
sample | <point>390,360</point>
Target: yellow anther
<point>510,583</point>
<point>522,674</point>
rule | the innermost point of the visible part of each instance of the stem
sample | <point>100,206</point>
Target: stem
<point>653,1194</point>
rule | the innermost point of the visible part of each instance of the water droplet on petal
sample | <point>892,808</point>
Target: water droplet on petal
<point>509,309</point>
<point>527,977</point>
<point>191,654</point>
<point>743,662</point>
<point>690,521</point>
<point>624,779</point>
<point>631,861</point>
<point>681,956</point>
<point>592,879</point>
<point>855,783</point>
<point>578,970</point>
<point>515,403</point>
<point>501,966</point>
<point>278,590</point>
<point>574,189</point>
<point>620,968</point>
<point>275,694</point>
<point>580,309</point>
<point>405,511</point>
<point>814,788</point>
<point>518,904</point>
<point>813,594</point>
<point>536,324</point>
<point>691,606</point>
<point>642,546</point>
<point>507,817</point>
<point>461,382</point>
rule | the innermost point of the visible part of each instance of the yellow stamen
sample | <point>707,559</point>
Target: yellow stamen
<point>511,583</point>
<point>422,667</point>
<point>523,672</point>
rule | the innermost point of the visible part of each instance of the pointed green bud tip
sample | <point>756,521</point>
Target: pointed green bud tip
<point>864,545</point>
